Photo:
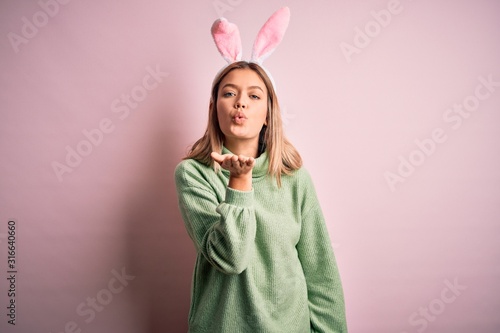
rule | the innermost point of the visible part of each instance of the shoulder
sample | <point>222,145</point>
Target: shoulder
<point>303,187</point>
<point>187,164</point>
<point>299,182</point>
<point>302,178</point>
<point>190,172</point>
<point>302,174</point>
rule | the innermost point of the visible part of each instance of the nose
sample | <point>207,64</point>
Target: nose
<point>240,103</point>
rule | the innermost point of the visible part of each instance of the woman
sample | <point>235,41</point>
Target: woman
<point>264,258</point>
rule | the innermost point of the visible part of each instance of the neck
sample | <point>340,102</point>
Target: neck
<point>247,148</point>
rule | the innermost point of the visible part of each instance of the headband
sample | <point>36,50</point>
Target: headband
<point>228,41</point>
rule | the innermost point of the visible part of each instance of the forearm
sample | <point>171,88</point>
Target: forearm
<point>223,232</point>
<point>326,298</point>
<point>229,243</point>
<point>219,219</point>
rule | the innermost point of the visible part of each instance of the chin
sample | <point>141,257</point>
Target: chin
<point>239,135</point>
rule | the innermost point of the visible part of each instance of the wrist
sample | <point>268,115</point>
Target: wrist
<point>241,182</point>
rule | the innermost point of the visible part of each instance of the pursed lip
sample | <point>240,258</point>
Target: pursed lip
<point>239,118</point>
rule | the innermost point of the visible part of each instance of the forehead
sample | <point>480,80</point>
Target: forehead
<point>244,78</point>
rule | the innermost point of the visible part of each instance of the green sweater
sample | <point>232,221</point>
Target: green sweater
<point>264,261</point>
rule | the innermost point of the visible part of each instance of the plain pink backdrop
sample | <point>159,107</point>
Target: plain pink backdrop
<point>354,116</point>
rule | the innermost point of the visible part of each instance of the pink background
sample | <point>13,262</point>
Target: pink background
<point>354,118</point>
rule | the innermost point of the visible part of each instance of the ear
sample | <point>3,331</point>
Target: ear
<point>227,39</point>
<point>270,35</point>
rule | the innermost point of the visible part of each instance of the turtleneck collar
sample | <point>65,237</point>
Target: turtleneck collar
<point>261,164</point>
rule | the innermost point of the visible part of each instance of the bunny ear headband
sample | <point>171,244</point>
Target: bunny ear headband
<point>227,38</point>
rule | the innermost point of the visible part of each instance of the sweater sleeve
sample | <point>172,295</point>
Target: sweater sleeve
<point>324,288</point>
<point>223,232</point>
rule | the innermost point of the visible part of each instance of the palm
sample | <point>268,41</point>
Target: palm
<point>236,164</point>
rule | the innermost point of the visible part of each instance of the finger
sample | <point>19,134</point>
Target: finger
<point>220,158</point>
<point>227,162</point>
<point>217,157</point>
<point>243,159</point>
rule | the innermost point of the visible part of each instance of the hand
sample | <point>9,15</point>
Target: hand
<point>237,165</point>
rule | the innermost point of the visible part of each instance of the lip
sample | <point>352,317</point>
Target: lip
<point>239,118</point>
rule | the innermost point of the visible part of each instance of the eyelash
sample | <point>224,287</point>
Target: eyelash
<point>231,94</point>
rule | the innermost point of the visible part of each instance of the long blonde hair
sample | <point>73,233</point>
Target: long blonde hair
<point>283,157</point>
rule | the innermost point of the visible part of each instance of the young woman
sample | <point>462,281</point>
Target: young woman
<point>264,258</point>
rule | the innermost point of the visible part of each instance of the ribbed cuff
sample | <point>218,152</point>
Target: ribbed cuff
<point>239,198</point>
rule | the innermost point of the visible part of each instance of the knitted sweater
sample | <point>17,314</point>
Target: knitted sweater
<point>264,259</point>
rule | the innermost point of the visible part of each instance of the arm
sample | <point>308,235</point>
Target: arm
<point>324,288</point>
<point>223,232</point>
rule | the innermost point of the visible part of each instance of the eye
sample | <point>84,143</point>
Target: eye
<point>254,97</point>
<point>228,94</point>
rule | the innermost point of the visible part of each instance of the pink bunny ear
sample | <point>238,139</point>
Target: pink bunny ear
<point>270,35</point>
<point>227,39</point>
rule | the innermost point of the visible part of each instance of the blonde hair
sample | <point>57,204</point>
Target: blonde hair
<point>283,157</point>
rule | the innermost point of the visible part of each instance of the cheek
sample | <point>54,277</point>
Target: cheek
<point>263,112</point>
<point>222,106</point>
<point>221,112</point>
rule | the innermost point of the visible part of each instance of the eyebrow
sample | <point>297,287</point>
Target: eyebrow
<point>236,87</point>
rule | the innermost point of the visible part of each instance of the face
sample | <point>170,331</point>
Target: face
<point>242,106</point>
